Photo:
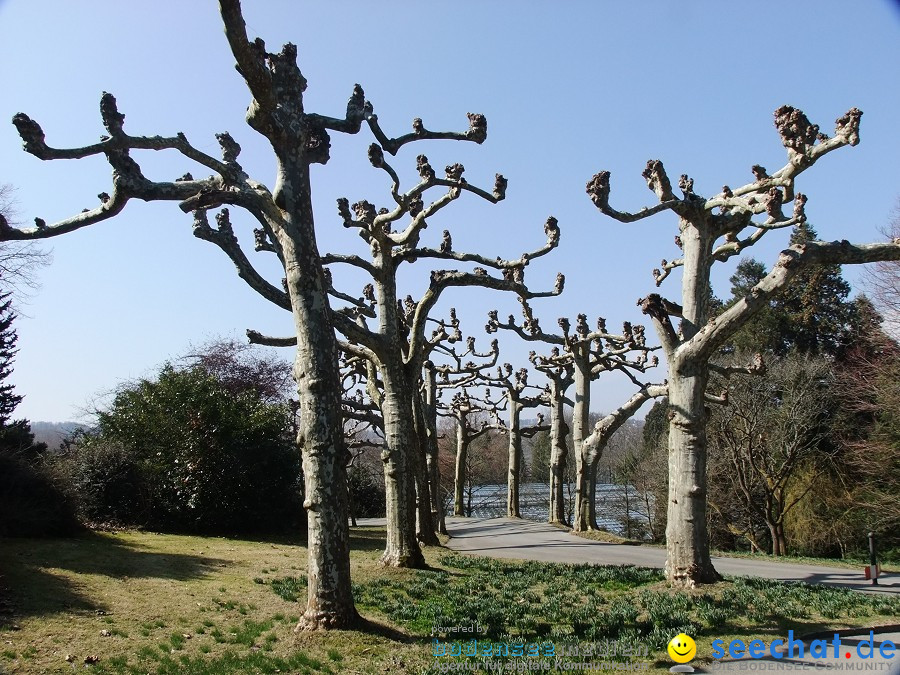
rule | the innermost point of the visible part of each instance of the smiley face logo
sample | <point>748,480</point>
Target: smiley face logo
<point>682,648</point>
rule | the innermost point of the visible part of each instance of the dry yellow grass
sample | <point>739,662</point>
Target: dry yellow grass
<point>123,596</point>
<point>158,603</point>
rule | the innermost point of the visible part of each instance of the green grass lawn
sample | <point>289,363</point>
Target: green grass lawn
<point>152,603</point>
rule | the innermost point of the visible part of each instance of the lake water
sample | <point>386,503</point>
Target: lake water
<point>616,504</point>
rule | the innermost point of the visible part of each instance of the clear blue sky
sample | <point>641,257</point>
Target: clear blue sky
<point>568,89</point>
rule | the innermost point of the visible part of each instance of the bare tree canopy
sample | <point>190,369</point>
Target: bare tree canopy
<point>882,281</point>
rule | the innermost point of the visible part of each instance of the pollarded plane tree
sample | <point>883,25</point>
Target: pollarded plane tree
<point>517,396</point>
<point>474,416</point>
<point>365,404</point>
<point>364,397</point>
<point>284,213</point>
<point>435,378</point>
<point>298,140</point>
<point>712,230</point>
<point>443,341</point>
<point>363,424</point>
<point>590,354</point>
<point>434,520</point>
<point>398,345</point>
<point>463,408</point>
<point>560,374</point>
<point>428,436</point>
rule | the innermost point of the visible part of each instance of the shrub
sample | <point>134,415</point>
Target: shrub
<point>104,481</point>
<point>183,452</point>
<point>31,503</point>
<point>366,492</point>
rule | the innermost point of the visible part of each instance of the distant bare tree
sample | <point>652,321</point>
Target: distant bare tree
<point>19,261</point>
<point>397,341</point>
<point>518,395</point>
<point>882,282</point>
<point>472,416</point>
<point>589,353</point>
<point>773,425</point>
<point>455,372</point>
<point>240,367</point>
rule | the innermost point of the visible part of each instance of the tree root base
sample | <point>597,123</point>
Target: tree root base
<point>414,560</point>
<point>316,620</point>
<point>693,576</point>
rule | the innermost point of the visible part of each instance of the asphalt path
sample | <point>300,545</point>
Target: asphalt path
<point>528,540</point>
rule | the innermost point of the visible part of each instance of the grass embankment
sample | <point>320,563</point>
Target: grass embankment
<point>177,604</point>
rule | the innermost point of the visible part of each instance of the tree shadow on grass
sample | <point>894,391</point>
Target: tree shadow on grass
<point>363,538</point>
<point>36,579</point>
<point>368,539</point>
<point>383,628</point>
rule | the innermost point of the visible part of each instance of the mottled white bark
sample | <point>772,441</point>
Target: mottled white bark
<point>580,412</point>
<point>514,459</point>
<point>459,473</point>
<point>559,451</point>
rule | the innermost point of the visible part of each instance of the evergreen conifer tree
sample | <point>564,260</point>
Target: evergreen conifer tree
<point>8,339</point>
<point>15,435</point>
<point>812,316</point>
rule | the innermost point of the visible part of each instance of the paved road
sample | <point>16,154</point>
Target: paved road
<point>528,540</point>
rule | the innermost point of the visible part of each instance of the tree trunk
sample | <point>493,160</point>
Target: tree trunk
<point>429,412</point>
<point>424,521</point>
<point>321,435</point>
<point>592,502</point>
<point>581,360</point>
<point>402,548</point>
<point>515,459</point>
<point>459,483</point>
<point>582,520</point>
<point>776,533</point>
<point>687,543</point>
<point>687,540</point>
<point>773,535</point>
<point>558,451</point>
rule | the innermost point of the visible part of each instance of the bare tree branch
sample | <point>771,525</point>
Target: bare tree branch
<point>790,263</point>
<point>598,190</point>
<point>223,237</point>
<point>257,338</point>
<point>477,133</point>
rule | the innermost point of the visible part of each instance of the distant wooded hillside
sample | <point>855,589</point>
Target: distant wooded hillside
<point>53,433</point>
